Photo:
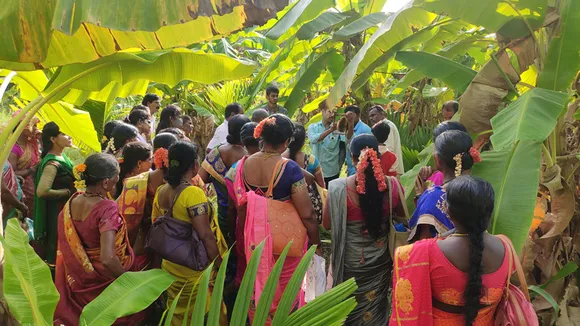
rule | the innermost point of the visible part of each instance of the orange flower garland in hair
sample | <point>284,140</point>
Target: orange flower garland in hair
<point>260,127</point>
<point>161,158</point>
<point>79,183</point>
<point>475,154</point>
<point>367,155</point>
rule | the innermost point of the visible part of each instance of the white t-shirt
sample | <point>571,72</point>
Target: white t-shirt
<point>394,145</point>
<point>220,135</point>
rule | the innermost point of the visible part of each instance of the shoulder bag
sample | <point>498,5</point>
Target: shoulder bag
<point>397,238</point>
<point>177,241</point>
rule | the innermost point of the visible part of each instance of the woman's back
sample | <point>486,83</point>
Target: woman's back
<point>93,216</point>
<point>263,169</point>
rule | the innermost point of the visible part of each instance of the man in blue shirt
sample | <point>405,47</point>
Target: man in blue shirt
<point>354,127</point>
<point>325,143</point>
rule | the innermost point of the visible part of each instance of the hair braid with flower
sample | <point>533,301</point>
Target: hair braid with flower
<point>160,158</point>
<point>79,174</point>
<point>370,185</point>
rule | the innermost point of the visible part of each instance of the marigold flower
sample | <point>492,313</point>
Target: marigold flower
<point>475,154</point>
<point>161,158</point>
<point>81,167</point>
<point>260,127</point>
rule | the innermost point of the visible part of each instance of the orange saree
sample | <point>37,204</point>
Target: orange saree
<point>80,276</point>
<point>135,205</point>
<point>422,274</point>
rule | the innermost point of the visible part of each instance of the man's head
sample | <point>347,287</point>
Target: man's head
<point>352,110</point>
<point>272,95</point>
<point>259,114</point>
<point>377,114</point>
<point>449,109</point>
<point>232,110</point>
<point>381,130</point>
<point>328,115</point>
<point>153,102</point>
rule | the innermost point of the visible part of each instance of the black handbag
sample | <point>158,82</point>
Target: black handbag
<point>177,241</point>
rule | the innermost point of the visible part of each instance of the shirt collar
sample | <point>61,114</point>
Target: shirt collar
<point>357,125</point>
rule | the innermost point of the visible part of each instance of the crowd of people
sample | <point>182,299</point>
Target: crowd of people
<point>138,198</point>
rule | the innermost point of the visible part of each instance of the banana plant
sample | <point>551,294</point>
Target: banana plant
<point>32,296</point>
<point>168,66</point>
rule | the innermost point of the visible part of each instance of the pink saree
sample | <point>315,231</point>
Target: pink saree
<point>256,230</point>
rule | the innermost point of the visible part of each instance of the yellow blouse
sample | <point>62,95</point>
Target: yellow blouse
<point>191,202</point>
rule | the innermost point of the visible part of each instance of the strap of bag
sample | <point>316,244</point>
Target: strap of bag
<point>513,258</point>
<point>401,198</point>
<point>178,191</point>
<point>276,176</point>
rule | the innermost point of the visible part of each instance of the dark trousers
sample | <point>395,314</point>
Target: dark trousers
<point>327,180</point>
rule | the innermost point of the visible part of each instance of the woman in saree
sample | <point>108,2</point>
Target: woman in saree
<point>213,169</point>
<point>252,146</point>
<point>135,159</point>
<point>93,245</point>
<point>454,156</point>
<point>136,200</point>
<point>170,117</point>
<point>457,280</point>
<point>190,206</point>
<point>11,195</point>
<point>357,214</point>
<point>122,135</point>
<point>389,161</point>
<point>24,159</point>
<point>274,178</point>
<point>427,177</point>
<point>54,186</point>
<point>107,133</point>
<point>140,118</point>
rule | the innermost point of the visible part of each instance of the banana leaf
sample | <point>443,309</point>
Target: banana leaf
<point>28,287</point>
<point>40,34</point>
<point>128,294</point>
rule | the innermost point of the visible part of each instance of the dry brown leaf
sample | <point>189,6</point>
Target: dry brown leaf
<point>569,307</point>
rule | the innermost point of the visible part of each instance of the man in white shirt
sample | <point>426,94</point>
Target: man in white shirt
<point>153,102</point>
<point>221,132</point>
<point>377,114</point>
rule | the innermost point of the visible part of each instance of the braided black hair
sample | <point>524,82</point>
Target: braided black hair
<point>247,135</point>
<point>133,153</point>
<point>371,202</point>
<point>299,139</point>
<point>182,156</point>
<point>470,203</point>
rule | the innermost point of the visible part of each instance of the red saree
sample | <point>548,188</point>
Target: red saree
<point>422,272</point>
<point>80,276</point>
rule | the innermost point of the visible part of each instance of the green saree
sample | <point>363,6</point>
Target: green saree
<point>46,211</point>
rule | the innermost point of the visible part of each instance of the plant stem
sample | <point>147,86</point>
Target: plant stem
<point>547,156</point>
<point>505,76</point>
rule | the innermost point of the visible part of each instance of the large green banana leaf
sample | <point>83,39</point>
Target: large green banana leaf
<point>320,23</point>
<point>532,116</point>
<point>28,286</point>
<point>454,74</point>
<point>40,34</point>
<point>128,294</point>
<point>563,62</point>
<point>344,82</point>
<point>500,16</point>
<point>168,67</point>
<point>514,173</point>
<point>303,11</point>
<point>359,25</point>
<point>309,71</point>
<point>513,167</point>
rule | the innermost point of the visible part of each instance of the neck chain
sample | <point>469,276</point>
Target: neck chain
<point>93,194</point>
<point>462,235</point>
